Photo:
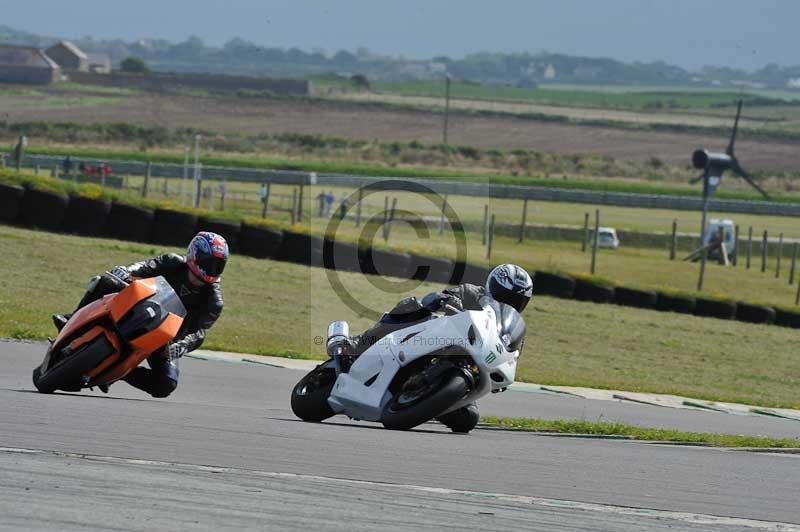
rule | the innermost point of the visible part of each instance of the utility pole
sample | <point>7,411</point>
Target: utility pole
<point>197,171</point>
<point>185,173</point>
<point>446,108</point>
<point>595,240</point>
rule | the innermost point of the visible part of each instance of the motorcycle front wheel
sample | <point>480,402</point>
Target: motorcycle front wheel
<point>310,395</point>
<point>415,406</point>
<point>67,374</point>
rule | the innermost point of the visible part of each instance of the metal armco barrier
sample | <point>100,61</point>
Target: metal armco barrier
<point>441,186</point>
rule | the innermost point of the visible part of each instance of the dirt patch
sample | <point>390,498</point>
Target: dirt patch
<point>368,122</point>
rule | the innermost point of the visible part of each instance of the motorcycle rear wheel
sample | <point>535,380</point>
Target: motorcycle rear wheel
<point>436,398</point>
<point>68,373</point>
<point>310,395</point>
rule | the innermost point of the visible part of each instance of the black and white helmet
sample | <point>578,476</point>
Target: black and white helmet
<point>511,285</point>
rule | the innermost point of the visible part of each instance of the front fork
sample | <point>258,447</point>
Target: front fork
<point>339,346</point>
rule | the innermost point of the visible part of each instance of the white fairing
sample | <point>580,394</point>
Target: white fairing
<point>364,390</point>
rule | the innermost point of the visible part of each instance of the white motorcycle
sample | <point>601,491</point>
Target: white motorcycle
<point>433,365</point>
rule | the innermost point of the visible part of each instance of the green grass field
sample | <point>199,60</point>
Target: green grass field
<point>638,98</point>
<point>279,308</point>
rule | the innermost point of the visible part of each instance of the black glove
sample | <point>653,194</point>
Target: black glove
<point>121,273</point>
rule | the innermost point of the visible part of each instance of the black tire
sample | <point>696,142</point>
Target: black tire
<point>229,230</point>
<point>310,395</point>
<point>712,308</point>
<point>430,269</point>
<point>675,303</point>
<point>260,242</point>
<point>300,248</point>
<point>596,293</point>
<point>448,389</point>
<point>128,222</point>
<point>754,313</point>
<point>37,374</point>
<point>86,216</point>
<point>386,263</point>
<point>553,284</point>
<point>10,201</point>
<point>43,209</point>
<point>67,374</point>
<point>787,318</point>
<point>341,256</point>
<point>462,420</point>
<point>631,297</point>
<point>173,228</point>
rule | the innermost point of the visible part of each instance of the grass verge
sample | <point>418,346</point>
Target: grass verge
<point>640,433</point>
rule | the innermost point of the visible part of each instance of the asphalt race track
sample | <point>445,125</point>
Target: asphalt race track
<point>226,453</point>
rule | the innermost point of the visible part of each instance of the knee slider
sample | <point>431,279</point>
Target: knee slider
<point>163,388</point>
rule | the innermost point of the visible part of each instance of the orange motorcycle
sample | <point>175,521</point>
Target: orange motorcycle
<point>107,339</point>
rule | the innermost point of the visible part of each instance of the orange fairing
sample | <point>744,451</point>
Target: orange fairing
<point>143,347</point>
<point>86,337</point>
<point>87,314</point>
<point>159,337</point>
<point>130,296</point>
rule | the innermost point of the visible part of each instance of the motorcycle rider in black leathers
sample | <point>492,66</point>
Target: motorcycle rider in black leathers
<point>507,284</point>
<point>195,278</point>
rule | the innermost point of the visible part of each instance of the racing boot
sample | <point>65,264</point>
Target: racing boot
<point>60,320</point>
<point>462,420</point>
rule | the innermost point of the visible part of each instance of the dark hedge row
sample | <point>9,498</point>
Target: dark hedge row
<point>53,211</point>
<point>564,286</point>
<point>96,217</point>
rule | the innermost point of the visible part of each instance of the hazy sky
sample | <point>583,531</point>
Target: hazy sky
<point>690,33</point>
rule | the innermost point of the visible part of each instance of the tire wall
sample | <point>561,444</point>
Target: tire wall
<point>128,222</point>
<point>594,292</point>
<point>42,209</point>
<point>229,230</point>
<point>259,242</point>
<point>431,269</point>
<point>173,228</point>
<point>552,284</point>
<point>300,248</point>
<point>10,202</point>
<point>711,308</point>
<point>86,216</point>
<point>386,263</point>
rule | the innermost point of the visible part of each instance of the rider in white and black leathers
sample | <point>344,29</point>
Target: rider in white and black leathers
<point>507,283</point>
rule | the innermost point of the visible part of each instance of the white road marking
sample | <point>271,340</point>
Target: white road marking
<point>685,517</point>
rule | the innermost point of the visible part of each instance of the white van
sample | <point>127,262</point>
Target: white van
<point>607,238</point>
<point>728,235</point>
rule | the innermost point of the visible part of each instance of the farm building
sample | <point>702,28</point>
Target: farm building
<point>99,63</point>
<point>22,64</point>
<point>68,56</point>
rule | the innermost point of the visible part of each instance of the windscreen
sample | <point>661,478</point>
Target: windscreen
<point>510,324</point>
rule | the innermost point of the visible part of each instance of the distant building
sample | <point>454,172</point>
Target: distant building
<point>22,64</point>
<point>587,72</point>
<point>550,72</point>
<point>69,57</point>
<point>99,63</point>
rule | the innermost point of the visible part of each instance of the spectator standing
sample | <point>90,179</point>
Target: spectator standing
<point>343,208</point>
<point>322,199</point>
<point>66,165</point>
<point>329,199</point>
